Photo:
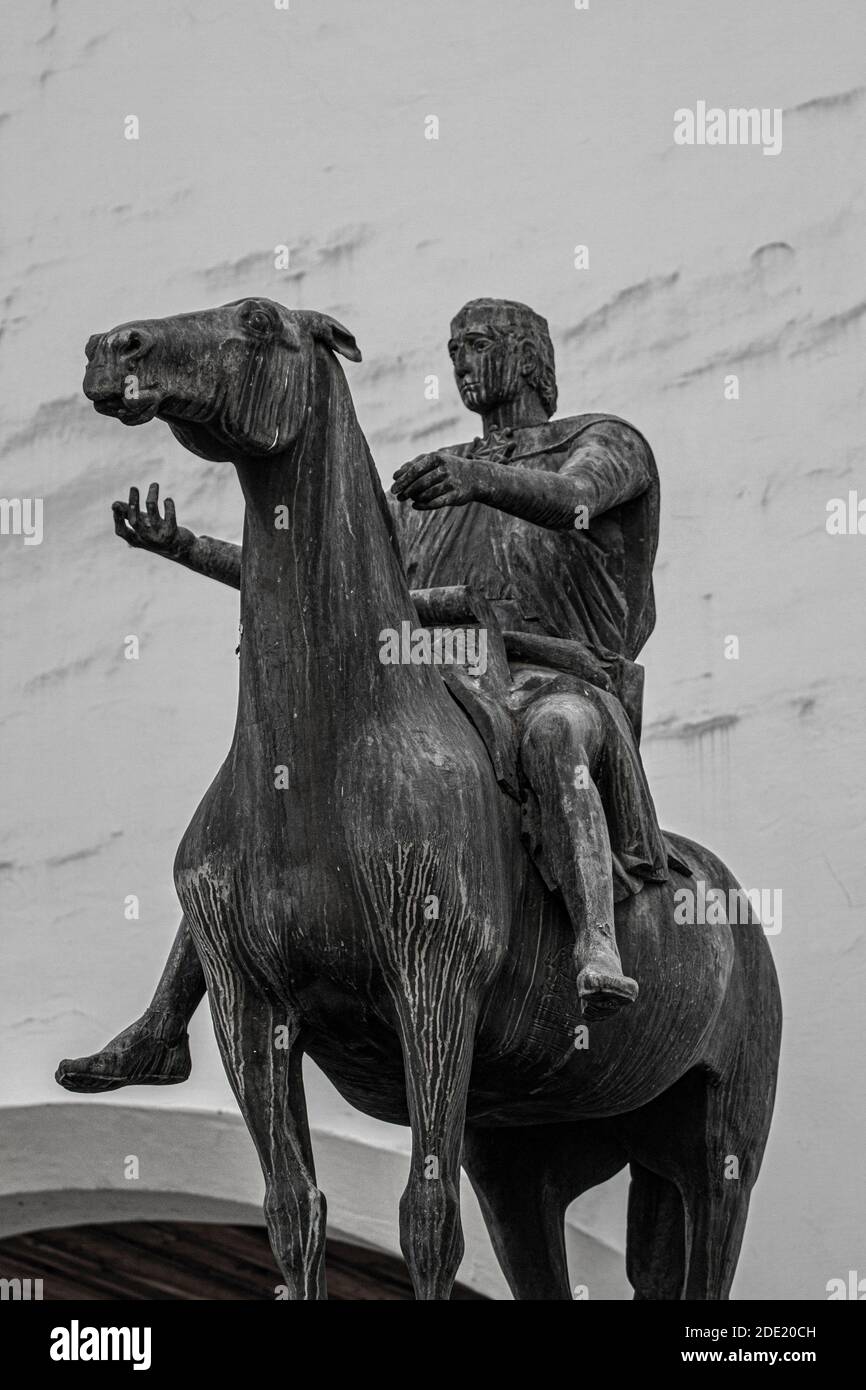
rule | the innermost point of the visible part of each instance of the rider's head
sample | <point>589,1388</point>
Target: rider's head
<point>502,350</point>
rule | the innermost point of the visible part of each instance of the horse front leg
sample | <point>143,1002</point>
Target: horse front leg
<point>437,1028</point>
<point>262,1058</point>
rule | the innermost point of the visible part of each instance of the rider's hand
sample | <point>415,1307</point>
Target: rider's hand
<point>440,480</point>
<point>150,531</point>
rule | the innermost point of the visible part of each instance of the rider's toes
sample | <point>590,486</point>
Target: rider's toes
<point>88,1074</point>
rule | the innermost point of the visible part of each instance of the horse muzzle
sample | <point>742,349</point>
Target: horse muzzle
<point>112,379</point>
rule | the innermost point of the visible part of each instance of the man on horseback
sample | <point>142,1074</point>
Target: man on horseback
<point>555,524</point>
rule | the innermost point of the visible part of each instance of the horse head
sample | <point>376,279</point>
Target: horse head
<point>232,382</point>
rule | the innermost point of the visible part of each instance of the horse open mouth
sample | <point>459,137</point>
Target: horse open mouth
<point>137,410</point>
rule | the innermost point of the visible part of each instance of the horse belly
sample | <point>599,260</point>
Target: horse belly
<point>534,1044</point>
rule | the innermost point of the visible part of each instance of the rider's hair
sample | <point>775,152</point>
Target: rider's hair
<point>510,318</point>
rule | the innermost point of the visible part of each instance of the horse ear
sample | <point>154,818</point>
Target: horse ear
<point>338,338</point>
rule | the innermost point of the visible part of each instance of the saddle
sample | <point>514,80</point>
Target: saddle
<point>483,697</point>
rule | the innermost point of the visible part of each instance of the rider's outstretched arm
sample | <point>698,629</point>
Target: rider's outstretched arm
<point>161,535</point>
<point>610,466</point>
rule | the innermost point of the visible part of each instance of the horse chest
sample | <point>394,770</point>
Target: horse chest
<point>265,883</point>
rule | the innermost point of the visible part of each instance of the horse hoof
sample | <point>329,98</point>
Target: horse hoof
<point>602,995</point>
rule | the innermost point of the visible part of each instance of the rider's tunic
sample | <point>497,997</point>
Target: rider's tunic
<point>590,584</point>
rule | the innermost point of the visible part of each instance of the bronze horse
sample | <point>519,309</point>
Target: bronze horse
<point>355,796</point>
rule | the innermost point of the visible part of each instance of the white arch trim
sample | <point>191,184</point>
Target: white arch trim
<point>63,1165</point>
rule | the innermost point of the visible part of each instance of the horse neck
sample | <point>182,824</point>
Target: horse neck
<point>317,590</point>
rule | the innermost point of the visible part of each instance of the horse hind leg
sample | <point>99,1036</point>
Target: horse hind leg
<point>524,1179</point>
<point>695,1155</point>
<point>656,1242</point>
<point>262,1059</point>
<point>717,1190</point>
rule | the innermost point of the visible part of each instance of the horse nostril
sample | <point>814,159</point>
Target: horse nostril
<point>131,343</point>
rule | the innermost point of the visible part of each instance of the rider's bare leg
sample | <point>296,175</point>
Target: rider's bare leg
<point>153,1051</point>
<point>560,749</point>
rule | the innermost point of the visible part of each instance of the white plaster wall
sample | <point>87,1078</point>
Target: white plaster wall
<point>260,127</point>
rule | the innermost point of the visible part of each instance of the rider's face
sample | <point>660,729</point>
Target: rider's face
<point>487,367</point>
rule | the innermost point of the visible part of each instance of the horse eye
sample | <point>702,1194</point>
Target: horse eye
<point>258,321</point>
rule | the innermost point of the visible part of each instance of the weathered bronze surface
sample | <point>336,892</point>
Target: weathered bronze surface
<point>399,868</point>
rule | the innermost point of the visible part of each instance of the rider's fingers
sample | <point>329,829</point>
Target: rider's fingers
<point>428,494</point>
<point>405,468</point>
<point>419,485</point>
<point>132,513</point>
<point>152,503</point>
<point>407,475</point>
<point>119,510</point>
<point>170,514</point>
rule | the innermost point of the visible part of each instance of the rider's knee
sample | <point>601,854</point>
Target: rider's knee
<point>562,726</point>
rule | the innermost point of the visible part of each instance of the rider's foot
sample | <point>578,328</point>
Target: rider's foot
<point>603,989</point>
<point>153,1051</point>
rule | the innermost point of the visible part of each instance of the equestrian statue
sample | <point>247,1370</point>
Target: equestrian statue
<point>445,881</point>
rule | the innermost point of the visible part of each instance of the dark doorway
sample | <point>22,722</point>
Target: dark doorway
<point>179,1260</point>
